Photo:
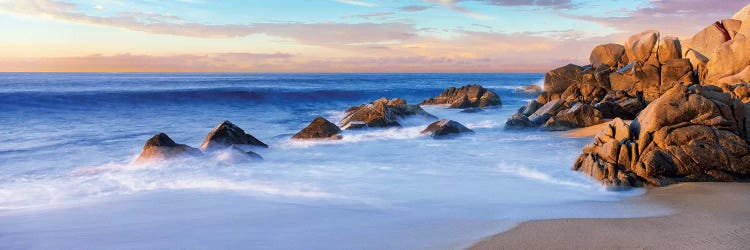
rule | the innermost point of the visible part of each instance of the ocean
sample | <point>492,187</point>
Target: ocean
<point>69,139</point>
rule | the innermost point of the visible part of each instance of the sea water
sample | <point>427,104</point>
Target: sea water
<point>68,141</point>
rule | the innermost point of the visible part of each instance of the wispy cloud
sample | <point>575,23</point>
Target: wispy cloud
<point>414,8</point>
<point>322,34</point>
<point>358,3</point>
<point>453,5</point>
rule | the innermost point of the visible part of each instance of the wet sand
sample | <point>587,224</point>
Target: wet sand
<point>709,216</point>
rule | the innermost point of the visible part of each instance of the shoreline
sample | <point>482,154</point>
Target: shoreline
<point>708,216</point>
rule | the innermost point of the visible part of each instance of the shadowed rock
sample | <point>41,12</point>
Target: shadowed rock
<point>559,79</point>
<point>381,113</point>
<point>161,147</point>
<point>578,116</point>
<point>319,128</point>
<point>443,127</point>
<point>469,96</point>
<point>227,134</point>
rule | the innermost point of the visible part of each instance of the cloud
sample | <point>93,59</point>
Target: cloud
<point>539,3</point>
<point>323,34</point>
<point>358,3</point>
<point>452,4</point>
<point>681,18</point>
<point>414,8</point>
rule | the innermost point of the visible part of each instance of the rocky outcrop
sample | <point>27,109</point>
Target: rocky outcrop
<point>227,134</point>
<point>469,96</point>
<point>161,147</point>
<point>319,128</point>
<point>443,128</point>
<point>695,133</point>
<point>381,113</point>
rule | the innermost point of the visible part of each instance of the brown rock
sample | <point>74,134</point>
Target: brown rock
<point>676,71</point>
<point>558,80</point>
<point>381,113</point>
<point>709,39</point>
<point>687,134</point>
<point>161,147</point>
<point>608,54</point>
<point>639,47</point>
<point>548,110</point>
<point>227,134</point>
<point>443,127</point>
<point>728,62</point>
<point>532,89</point>
<point>320,128</point>
<point>578,116</point>
<point>469,96</point>
<point>669,49</point>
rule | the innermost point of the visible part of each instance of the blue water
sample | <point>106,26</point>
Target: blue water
<point>68,140</point>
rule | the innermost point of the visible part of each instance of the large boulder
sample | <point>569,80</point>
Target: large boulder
<point>640,47</point>
<point>559,79</point>
<point>578,116</point>
<point>381,113</point>
<point>546,111</point>
<point>669,49</point>
<point>611,55</point>
<point>227,134</point>
<point>710,38</point>
<point>443,127</point>
<point>469,96</point>
<point>161,147</point>
<point>319,128</point>
<point>730,62</point>
<point>691,133</point>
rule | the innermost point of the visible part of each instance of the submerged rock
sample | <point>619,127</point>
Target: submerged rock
<point>161,147</point>
<point>532,89</point>
<point>443,127</point>
<point>469,96</point>
<point>319,128</point>
<point>381,113</point>
<point>227,134</point>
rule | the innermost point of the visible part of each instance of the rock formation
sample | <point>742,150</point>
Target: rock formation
<point>696,133</point>
<point>319,128</point>
<point>443,128</point>
<point>227,134</point>
<point>381,113</point>
<point>532,89</point>
<point>161,147</point>
<point>469,96</point>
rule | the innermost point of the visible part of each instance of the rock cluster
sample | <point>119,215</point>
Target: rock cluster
<point>690,101</point>
<point>225,137</point>
<point>443,128</point>
<point>381,113</point>
<point>696,133</point>
<point>319,128</point>
<point>469,96</point>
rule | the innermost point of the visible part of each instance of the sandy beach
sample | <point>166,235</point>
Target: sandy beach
<point>709,216</point>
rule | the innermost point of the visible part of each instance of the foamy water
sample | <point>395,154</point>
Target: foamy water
<point>66,176</point>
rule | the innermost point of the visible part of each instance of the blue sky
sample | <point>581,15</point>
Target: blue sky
<point>331,35</point>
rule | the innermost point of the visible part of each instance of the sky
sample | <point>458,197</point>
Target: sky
<point>331,35</point>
